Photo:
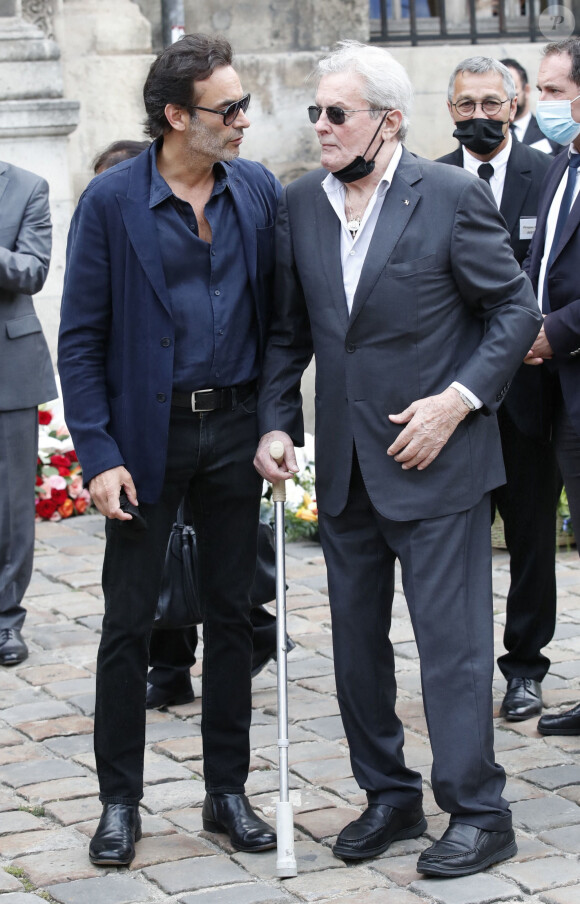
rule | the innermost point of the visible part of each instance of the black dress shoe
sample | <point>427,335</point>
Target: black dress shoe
<point>232,813</point>
<point>464,850</point>
<point>523,699</point>
<point>113,844</point>
<point>259,664</point>
<point>160,697</point>
<point>376,828</point>
<point>567,723</point>
<point>12,648</point>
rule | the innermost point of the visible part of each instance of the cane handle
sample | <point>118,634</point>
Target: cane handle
<point>279,486</point>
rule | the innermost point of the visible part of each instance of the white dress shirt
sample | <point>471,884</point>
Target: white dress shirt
<point>499,163</point>
<point>353,251</point>
<point>553,219</point>
<point>520,126</point>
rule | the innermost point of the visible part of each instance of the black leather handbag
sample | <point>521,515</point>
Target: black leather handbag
<point>179,604</point>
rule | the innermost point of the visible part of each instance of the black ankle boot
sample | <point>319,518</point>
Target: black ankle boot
<point>232,813</point>
<point>113,844</point>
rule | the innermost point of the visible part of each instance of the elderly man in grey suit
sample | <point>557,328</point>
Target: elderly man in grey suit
<point>26,380</point>
<point>398,274</point>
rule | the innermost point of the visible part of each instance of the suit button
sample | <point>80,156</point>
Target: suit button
<point>161,397</point>
<point>166,342</point>
<point>350,347</point>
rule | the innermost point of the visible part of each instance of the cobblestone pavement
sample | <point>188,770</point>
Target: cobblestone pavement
<point>48,788</point>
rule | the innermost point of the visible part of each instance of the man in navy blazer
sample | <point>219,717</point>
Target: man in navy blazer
<point>553,265</point>
<point>528,500</point>
<point>418,316</point>
<point>166,302</point>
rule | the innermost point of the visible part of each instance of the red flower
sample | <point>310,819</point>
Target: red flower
<point>72,456</point>
<point>45,507</point>
<point>58,496</point>
<point>39,481</point>
<point>80,505</point>
<point>60,461</point>
<point>64,472</point>
<point>67,508</point>
<point>44,417</point>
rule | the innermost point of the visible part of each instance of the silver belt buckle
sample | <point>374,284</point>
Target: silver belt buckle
<point>194,405</point>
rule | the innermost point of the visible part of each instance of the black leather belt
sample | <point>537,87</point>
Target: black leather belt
<point>212,399</point>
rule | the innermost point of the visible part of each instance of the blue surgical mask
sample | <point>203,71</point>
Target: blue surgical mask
<point>556,121</point>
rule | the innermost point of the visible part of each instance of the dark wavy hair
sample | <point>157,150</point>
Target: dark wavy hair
<point>571,46</point>
<point>172,76</point>
<point>116,152</point>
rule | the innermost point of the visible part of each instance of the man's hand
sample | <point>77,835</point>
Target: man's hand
<point>430,422</point>
<point>105,489</point>
<point>540,350</point>
<point>265,464</point>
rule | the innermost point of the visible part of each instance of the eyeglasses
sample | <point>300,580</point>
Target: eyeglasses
<point>231,112</point>
<point>490,107</point>
<point>336,115</point>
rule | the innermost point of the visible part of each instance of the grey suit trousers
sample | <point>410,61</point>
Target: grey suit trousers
<point>18,454</point>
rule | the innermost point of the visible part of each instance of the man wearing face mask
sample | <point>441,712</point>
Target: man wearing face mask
<point>553,264</point>
<point>482,103</point>
<point>397,273</point>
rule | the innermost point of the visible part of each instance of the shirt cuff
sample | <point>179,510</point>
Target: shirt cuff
<point>467,392</point>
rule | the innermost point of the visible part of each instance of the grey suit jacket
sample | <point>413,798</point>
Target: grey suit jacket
<point>440,298</point>
<point>26,373</point>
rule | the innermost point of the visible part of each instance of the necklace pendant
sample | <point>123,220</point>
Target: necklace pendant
<point>353,226</point>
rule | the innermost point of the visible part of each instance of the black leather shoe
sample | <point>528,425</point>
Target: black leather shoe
<point>376,828</point>
<point>113,844</point>
<point>272,655</point>
<point>464,850</point>
<point>232,814</point>
<point>160,697</point>
<point>12,648</point>
<point>567,723</point>
<point>523,699</point>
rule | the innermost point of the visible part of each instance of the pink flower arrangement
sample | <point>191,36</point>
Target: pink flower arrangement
<point>59,481</point>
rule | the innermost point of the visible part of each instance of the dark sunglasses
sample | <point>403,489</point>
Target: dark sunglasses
<point>335,115</point>
<point>231,112</point>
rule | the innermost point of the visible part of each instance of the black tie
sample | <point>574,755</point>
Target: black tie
<point>565,206</point>
<point>485,171</point>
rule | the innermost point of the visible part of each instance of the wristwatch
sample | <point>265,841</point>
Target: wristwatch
<point>464,399</point>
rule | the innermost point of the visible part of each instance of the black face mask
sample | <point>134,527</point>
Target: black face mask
<point>482,136</point>
<point>359,167</point>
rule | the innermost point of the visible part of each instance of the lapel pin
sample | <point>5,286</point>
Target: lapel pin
<point>406,203</point>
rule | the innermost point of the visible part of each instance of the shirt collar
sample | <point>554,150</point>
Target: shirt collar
<point>472,164</point>
<point>331,184</point>
<point>160,190</point>
<point>520,125</point>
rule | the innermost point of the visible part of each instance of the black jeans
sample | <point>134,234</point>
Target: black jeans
<point>210,458</point>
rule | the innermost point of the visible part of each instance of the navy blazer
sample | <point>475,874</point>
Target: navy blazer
<point>116,340</point>
<point>526,402</point>
<point>562,325</point>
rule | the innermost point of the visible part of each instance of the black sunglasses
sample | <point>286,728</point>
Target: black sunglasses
<point>231,112</point>
<point>336,115</point>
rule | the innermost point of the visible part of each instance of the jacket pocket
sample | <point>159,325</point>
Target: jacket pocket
<point>23,326</point>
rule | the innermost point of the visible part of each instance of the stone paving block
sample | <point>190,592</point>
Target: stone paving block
<point>268,780</point>
<point>329,727</point>
<point>188,818</point>
<point>562,896</point>
<point>168,849</point>
<point>21,898</point>
<point>332,883</point>
<point>40,770</point>
<point>531,849</point>
<point>84,702</point>
<point>60,789</point>
<point>79,579</point>
<point>482,888</point>
<point>19,821</point>
<point>181,749</point>
<point>108,890</point>
<point>570,669</point>
<point>382,896</point>
<point>44,708</point>
<point>516,789</point>
<point>538,875</point>
<point>39,840</point>
<point>319,772</point>
<point>322,684</point>
<point>545,813</point>
<point>196,873</point>
<point>57,866</point>
<point>164,731</point>
<point>323,823</point>
<point>308,750</point>
<point>63,636</point>
<point>566,839</point>
<point>308,667</point>
<point>241,894</point>
<point>69,812</point>
<point>553,777</point>
<point>70,745</point>
<point>9,883</point>
<point>310,858</point>
<point>72,687</point>
<point>303,800</point>
<point>170,795</point>
<point>55,671</point>
<point>348,789</point>
<point>9,737</point>
<point>516,762</point>
<point>18,753</point>
<point>399,869</point>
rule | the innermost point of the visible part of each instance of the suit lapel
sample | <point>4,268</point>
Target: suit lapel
<point>3,178</point>
<point>571,225</point>
<point>549,187</point>
<point>516,187</point>
<point>243,205</point>
<point>398,206</point>
<point>328,229</point>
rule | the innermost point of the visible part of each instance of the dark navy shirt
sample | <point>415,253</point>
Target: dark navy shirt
<point>216,334</point>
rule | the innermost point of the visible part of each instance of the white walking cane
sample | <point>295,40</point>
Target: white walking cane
<point>285,861</point>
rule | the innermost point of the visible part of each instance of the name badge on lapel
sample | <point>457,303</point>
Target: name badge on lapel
<point>527,227</point>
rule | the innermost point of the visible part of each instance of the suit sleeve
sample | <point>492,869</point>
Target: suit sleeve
<point>562,328</point>
<point>495,289</point>
<point>289,345</point>
<point>24,268</point>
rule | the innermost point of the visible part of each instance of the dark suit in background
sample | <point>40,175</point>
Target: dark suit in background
<point>528,500</point>
<point>26,380</point>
